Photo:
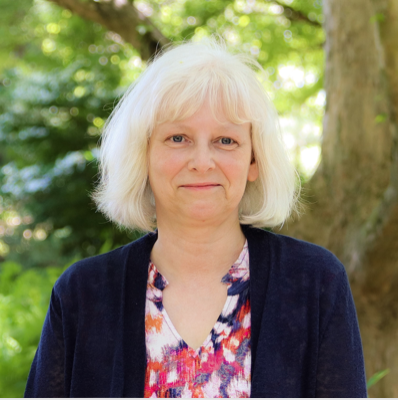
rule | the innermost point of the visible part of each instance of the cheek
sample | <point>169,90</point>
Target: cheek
<point>163,165</point>
<point>236,169</point>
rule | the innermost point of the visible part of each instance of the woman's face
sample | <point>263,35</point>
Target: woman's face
<point>198,168</point>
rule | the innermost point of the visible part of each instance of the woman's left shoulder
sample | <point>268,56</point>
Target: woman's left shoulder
<point>295,255</point>
<point>296,250</point>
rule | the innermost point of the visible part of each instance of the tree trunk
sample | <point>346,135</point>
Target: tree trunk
<point>352,199</point>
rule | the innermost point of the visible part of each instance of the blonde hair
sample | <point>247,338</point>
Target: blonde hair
<point>174,86</point>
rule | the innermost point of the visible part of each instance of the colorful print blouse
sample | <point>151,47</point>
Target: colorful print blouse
<point>221,367</point>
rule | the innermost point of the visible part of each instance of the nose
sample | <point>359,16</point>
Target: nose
<point>201,158</point>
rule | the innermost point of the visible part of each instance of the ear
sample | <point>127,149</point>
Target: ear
<point>253,171</point>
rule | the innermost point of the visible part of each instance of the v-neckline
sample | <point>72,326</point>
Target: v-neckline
<point>234,273</point>
<point>196,352</point>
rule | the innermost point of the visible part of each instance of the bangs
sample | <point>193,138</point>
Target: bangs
<point>185,96</point>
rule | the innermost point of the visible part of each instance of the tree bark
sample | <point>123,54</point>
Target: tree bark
<point>352,199</point>
<point>121,17</point>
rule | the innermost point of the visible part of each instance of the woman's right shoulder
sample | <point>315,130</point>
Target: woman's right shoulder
<point>96,272</point>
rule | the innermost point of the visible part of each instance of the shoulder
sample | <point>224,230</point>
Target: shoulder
<point>302,273</point>
<point>291,256</point>
<point>299,252</point>
<point>106,268</point>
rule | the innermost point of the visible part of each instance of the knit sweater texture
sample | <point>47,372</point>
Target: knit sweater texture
<point>305,338</point>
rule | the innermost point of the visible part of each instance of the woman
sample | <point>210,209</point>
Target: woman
<point>208,304</point>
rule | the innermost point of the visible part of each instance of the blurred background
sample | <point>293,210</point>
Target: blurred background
<point>331,71</point>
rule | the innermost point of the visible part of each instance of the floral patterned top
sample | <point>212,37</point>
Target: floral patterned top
<point>221,367</point>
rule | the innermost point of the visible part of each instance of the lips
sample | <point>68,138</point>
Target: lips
<point>201,184</point>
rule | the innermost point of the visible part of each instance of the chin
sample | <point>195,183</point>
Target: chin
<point>204,214</point>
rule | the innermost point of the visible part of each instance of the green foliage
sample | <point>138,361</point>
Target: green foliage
<point>378,17</point>
<point>53,105</point>
<point>58,114</point>
<point>376,377</point>
<point>15,37</point>
<point>24,300</point>
<point>380,118</point>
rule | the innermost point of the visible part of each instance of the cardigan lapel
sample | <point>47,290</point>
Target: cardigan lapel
<point>259,262</point>
<point>136,275</point>
<point>134,351</point>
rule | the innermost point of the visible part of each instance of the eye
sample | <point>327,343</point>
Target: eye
<point>226,140</point>
<point>177,138</point>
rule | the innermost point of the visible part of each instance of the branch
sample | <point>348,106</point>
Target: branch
<point>122,18</point>
<point>294,15</point>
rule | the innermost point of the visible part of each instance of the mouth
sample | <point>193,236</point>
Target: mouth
<point>201,186</point>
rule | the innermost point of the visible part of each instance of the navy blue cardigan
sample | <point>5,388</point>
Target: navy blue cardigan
<point>305,335</point>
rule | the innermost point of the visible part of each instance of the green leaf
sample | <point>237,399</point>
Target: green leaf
<point>378,17</point>
<point>380,118</point>
<point>376,377</point>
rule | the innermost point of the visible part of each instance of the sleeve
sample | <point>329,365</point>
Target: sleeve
<point>46,376</point>
<point>341,368</point>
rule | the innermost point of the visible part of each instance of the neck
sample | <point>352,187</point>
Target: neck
<point>199,253</point>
